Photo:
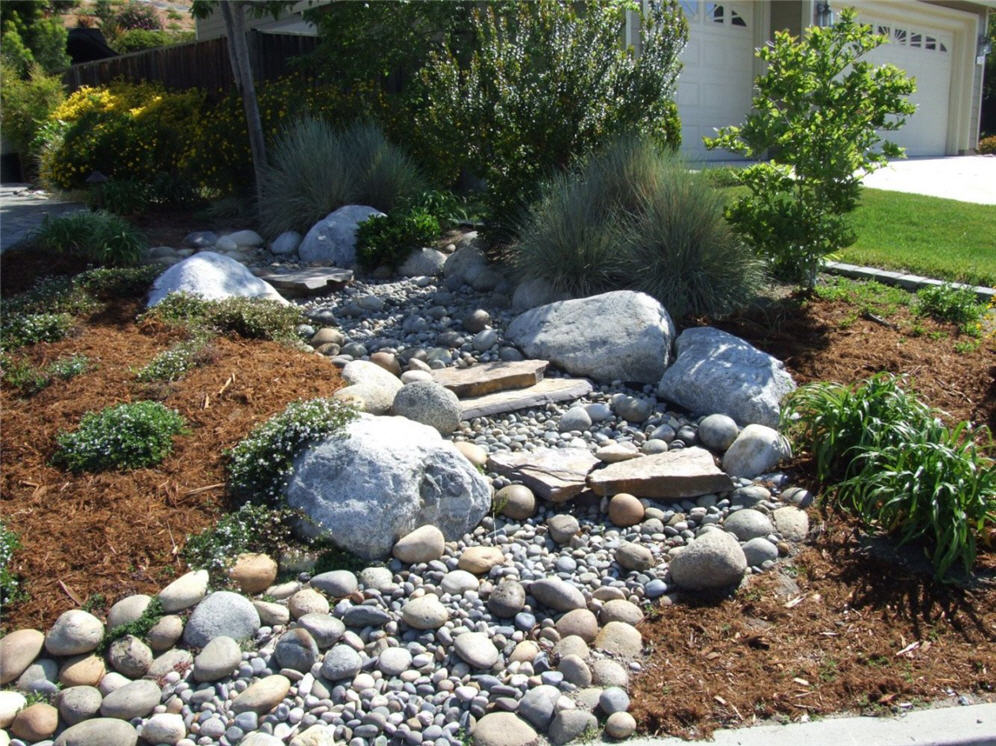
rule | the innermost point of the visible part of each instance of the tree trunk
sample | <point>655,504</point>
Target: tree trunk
<point>235,27</point>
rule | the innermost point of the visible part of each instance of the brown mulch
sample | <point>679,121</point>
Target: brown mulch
<point>849,624</point>
<point>838,628</point>
<point>118,533</point>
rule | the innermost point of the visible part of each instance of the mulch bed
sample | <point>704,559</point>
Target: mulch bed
<point>114,533</point>
<point>842,626</point>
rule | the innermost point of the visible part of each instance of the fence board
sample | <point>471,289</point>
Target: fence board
<point>199,64</point>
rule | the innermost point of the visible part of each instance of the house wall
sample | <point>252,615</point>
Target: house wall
<point>213,26</point>
<point>786,15</point>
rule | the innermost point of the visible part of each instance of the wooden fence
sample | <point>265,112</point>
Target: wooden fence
<point>199,64</point>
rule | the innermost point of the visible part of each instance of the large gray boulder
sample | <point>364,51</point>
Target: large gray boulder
<point>212,277</point>
<point>332,240</point>
<point>622,335</point>
<point>382,478</point>
<point>716,372</point>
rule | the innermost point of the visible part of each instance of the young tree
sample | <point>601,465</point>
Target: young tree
<point>233,11</point>
<point>818,114</point>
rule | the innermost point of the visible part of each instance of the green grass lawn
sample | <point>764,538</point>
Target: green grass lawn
<point>929,236</point>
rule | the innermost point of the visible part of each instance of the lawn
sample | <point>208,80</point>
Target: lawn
<point>929,236</point>
<point>940,238</point>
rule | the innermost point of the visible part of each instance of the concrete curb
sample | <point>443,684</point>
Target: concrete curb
<point>974,725</point>
<point>901,279</point>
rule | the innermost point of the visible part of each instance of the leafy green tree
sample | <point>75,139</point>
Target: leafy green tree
<point>34,33</point>
<point>545,83</point>
<point>819,112</point>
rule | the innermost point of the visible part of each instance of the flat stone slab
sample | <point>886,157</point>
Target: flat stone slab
<point>688,472</point>
<point>556,474</point>
<point>478,380</point>
<point>311,281</point>
<point>546,391</point>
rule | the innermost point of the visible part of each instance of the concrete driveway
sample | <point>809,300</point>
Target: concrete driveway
<point>966,178</point>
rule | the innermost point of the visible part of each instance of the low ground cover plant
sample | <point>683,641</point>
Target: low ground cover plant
<point>126,436</point>
<point>173,364</point>
<point>251,528</point>
<point>956,305</point>
<point>316,168</point>
<point>250,318</point>
<point>803,116</point>
<point>99,237</point>
<point>29,379</point>
<point>21,329</point>
<point>634,217</point>
<point>260,466</point>
<point>9,586</point>
<point>890,461</point>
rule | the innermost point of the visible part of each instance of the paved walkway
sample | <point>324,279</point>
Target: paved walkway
<point>944,726</point>
<point>22,211</point>
<point>966,178</point>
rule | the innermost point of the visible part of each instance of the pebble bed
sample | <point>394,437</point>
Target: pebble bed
<point>371,678</point>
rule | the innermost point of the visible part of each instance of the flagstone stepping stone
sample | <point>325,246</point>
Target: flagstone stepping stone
<point>487,378</point>
<point>688,472</point>
<point>556,474</point>
<point>310,281</point>
<point>547,391</point>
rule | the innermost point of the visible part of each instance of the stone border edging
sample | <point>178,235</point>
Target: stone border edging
<point>902,279</point>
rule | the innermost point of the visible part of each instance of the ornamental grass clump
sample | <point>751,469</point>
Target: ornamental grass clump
<point>260,466</point>
<point>633,217</point>
<point>893,464</point>
<point>99,237</point>
<point>316,168</point>
<point>126,436</point>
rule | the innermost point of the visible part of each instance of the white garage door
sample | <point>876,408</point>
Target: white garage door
<point>714,89</point>
<point>925,54</point>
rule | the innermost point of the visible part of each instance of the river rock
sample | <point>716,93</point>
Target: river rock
<point>219,658</point>
<point>537,706</point>
<point>99,732</point>
<point>263,695</point>
<point>332,240</point>
<point>476,649</point>
<point>625,510</point>
<point>371,384</point>
<point>324,629</point>
<point>516,501</point>
<point>164,727</point>
<point>791,522</point>
<point>223,613</point>
<point>758,449</point>
<point>620,610</point>
<point>307,601</point>
<point>718,431</point>
<point>425,612</point>
<point>580,622</point>
<point>341,662</point>
<point>621,639</point>
<point>79,703</point>
<point>759,550</point>
<point>429,403</point>
<point>633,556</point>
<point>74,632</point>
<point>165,633</point>
<point>11,703</point>
<point>570,725</point>
<point>82,670</point>
<point>35,722</point>
<point>507,599</point>
<point>127,610</point>
<point>335,583</point>
<point>130,656</point>
<point>211,276</point>
<point>557,594</point>
<point>620,725</point>
<point>480,559</point>
<point>716,372</point>
<point>748,524</point>
<point>184,592</point>
<point>17,651</point>
<point>423,262</point>
<point>563,527</point>
<point>133,700</point>
<point>381,479</point>
<point>253,572</point>
<point>714,560</point>
<point>503,729</point>
<point>621,335</point>
<point>424,544</point>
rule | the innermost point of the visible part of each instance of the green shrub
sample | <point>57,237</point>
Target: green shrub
<point>987,145</point>
<point>137,15</point>
<point>98,237</point>
<point>125,197</point>
<point>260,466</point>
<point>171,364</point>
<point>135,40</point>
<point>126,436</point>
<point>250,318</point>
<point>956,305</point>
<point>388,240</point>
<point>804,115</point>
<point>108,283</point>
<point>546,83</point>
<point>25,104</point>
<point>634,217</point>
<point>315,169</point>
<point>252,528</point>
<point>9,585</point>
<point>69,367</point>
<point>22,329</point>
<point>896,466</point>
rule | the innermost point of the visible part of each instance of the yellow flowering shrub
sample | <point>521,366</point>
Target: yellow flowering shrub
<point>128,132</point>
<point>217,155</point>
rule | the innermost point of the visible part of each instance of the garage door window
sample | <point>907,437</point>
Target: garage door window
<point>913,39</point>
<point>718,13</point>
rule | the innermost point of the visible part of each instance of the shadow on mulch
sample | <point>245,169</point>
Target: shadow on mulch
<point>838,628</point>
<point>106,535</point>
